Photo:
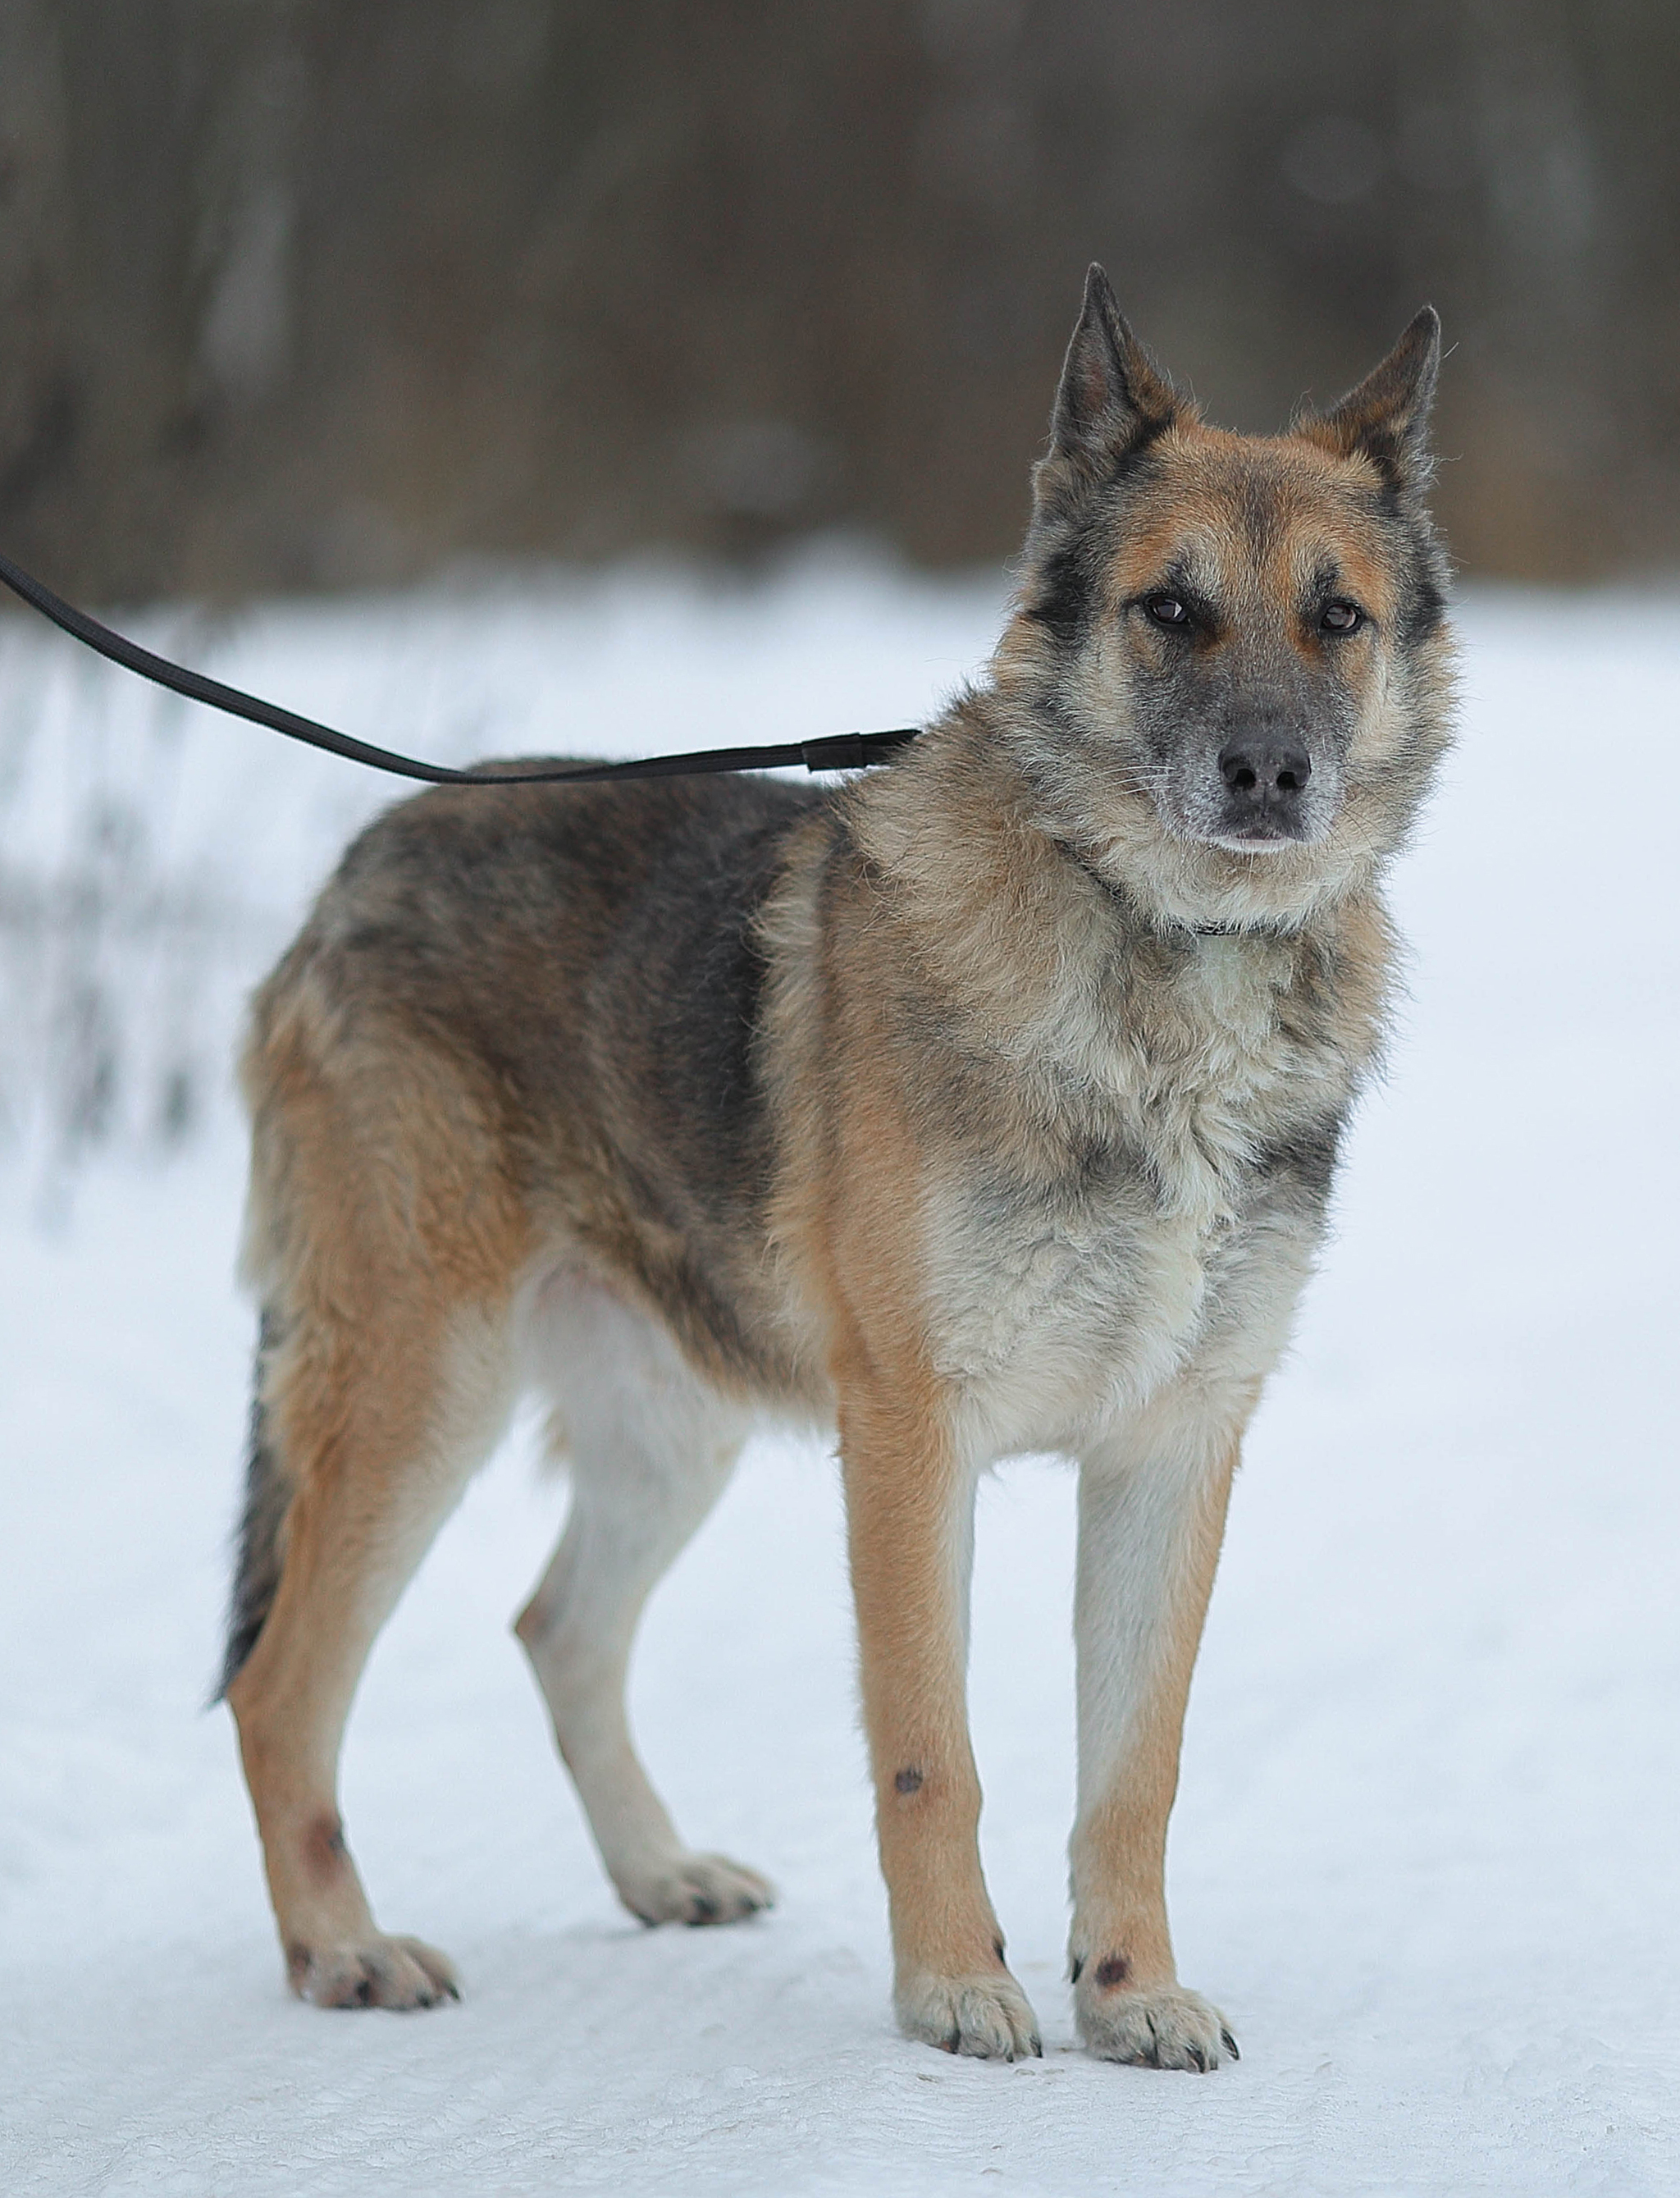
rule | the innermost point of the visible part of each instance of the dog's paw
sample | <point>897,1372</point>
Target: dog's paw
<point>1166,2028</point>
<point>987,2016</point>
<point>378,1972</point>
<point>696,1888</point>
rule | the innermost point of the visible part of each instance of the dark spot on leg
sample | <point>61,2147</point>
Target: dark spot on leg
<point>909,1782</point>
<point>997,1948</point>
<point>1077,1969</point>
<point>324,1848</point>
<point>1114,1970</point>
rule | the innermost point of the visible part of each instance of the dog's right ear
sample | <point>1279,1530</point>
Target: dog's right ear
<point>1112,399</point>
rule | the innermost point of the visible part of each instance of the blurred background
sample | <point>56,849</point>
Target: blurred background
<point>496,374</point>
<point>327,294</point>
<point>619,376</point>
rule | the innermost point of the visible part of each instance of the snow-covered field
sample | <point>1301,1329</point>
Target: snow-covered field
<point>1425,1852</point>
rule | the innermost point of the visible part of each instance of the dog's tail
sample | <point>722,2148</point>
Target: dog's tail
<point>262,1526</point>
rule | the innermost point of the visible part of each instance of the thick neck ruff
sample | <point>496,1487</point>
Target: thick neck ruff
<point>1169,925</point>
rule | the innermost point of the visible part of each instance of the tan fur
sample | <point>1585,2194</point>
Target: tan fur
<point>983,1106</point>
<point>377,1218</point>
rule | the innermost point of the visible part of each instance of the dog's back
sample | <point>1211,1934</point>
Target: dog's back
<point>539,1003</point>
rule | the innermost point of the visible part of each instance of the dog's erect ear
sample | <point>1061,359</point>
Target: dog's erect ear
<point>1386,418</point>
<point>1111,396</point>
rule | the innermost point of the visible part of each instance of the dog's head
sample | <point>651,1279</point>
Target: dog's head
<point>1229,672</point>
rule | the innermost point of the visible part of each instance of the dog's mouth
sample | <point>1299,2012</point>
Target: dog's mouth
<point>1203,824</point>
<point>1265,839</point>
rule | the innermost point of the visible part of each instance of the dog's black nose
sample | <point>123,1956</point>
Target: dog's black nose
<point>1265,771</point>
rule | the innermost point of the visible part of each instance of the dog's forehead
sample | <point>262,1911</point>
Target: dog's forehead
<point>1249,518</point>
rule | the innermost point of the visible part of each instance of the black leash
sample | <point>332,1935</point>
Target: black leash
<point>834,752</point>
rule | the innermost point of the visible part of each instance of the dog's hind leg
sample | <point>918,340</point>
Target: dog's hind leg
<point>365,1438</point>
<point>650,1449</point>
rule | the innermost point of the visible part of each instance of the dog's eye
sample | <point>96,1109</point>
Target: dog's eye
<point>1167,610</point>
<point>1340,617</point>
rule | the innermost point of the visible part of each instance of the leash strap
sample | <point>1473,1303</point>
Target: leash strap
<point>834,752</point>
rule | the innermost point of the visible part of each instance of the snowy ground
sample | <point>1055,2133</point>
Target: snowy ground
<point>1424,1853</point>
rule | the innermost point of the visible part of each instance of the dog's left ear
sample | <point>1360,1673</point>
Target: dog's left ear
<point>1111,396</point>
<point>1386,418</point>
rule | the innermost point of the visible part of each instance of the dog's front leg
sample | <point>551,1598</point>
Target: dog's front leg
<point>909,1511</point>
<point>1150,1525</point>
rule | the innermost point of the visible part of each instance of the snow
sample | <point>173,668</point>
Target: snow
<point>1424,1852</point>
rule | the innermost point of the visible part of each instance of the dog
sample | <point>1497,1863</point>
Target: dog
<point>987,1104</point>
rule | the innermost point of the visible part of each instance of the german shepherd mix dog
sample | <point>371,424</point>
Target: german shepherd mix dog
<point>988,1104</point>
